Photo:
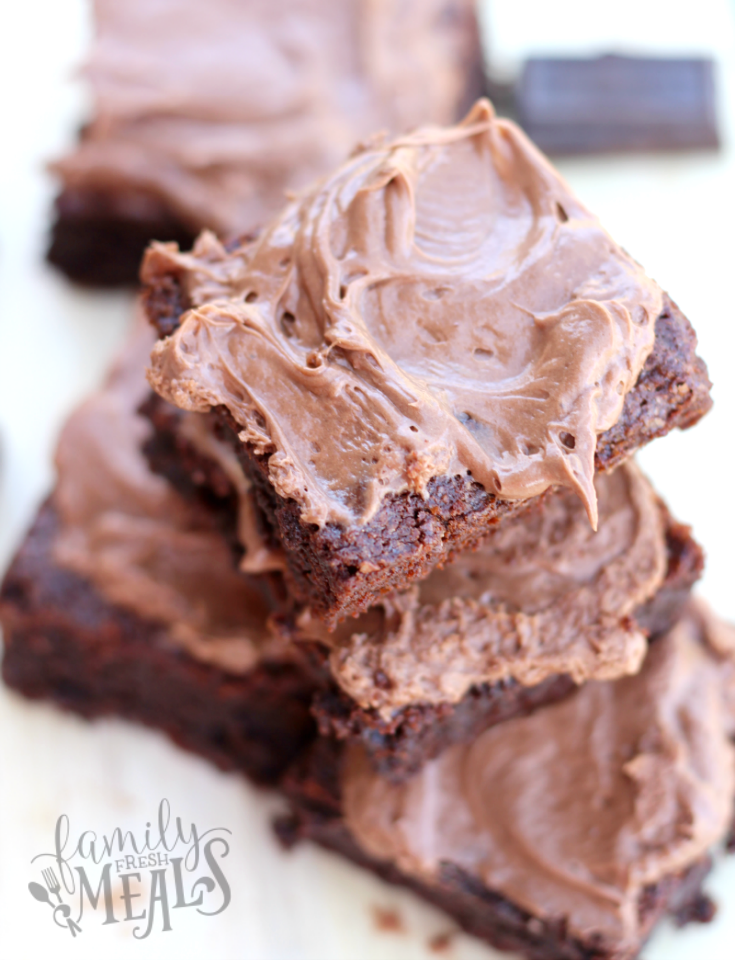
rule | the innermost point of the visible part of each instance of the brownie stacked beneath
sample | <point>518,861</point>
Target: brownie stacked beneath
<point>205,114</point>
<point>386,485</point>
<point>124,599</point>
<point>564,835</point>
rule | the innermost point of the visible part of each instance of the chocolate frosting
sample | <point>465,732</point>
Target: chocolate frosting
<point>216,109</point>
<point>542,596</point>
<point>441,304</point>
<point>572,811</point>
<point>144,548</point>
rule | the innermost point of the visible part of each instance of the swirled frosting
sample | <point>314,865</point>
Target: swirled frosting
<point>441,304</point>
<point>572,811</point>
<point>543,596</point>
<point>128,532</point>
<point>216,109</point>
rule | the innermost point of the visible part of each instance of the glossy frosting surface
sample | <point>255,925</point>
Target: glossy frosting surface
<point>217,108</point>
<point>441,304</point>
<point>543,596</point>
<point>142,546</point>
<point>571,812</point>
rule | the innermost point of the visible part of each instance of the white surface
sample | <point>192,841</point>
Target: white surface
<point>673,214</point>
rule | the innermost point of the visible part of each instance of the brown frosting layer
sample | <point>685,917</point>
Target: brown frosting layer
<point>442,304</point>
<point>542,596</point>
<point>142,546</point>
<point>572,811</point>
<point>216,109</point>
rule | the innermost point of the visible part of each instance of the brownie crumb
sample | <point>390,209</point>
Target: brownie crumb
<point>700,909</point>
<point>441,942</point>
<point>388,920</point>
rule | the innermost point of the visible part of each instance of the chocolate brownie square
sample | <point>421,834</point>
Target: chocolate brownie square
<point>415,351</point>
<point>563,835</point>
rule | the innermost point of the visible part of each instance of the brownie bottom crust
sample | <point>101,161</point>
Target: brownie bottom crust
<point>65,643</point>
<point>312,787</point>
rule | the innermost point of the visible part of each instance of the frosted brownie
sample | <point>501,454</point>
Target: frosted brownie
<point>204,115</point>
<point>125,599</point>
<point>418,347</point>
<point>542,605</point>
<point>564,835</point>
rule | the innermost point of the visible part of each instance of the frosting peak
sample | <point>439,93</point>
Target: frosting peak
<point>442,304</point>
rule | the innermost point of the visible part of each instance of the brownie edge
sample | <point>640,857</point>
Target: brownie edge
<point>65,643</point>
<point>98,237</point>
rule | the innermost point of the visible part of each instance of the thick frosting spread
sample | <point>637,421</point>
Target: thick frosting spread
<point>572,811</point>
<point>441,305</point>
<point>544,595</point>
<point>216,109</point>
<point>142,546</point>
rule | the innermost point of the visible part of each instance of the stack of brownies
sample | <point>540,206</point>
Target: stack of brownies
<point>377,537</point>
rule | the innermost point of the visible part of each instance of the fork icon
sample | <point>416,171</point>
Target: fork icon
<point>54,887</point>
<point>52,883</point>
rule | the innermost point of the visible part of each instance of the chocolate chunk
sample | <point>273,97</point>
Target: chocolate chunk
<point>618,103</point>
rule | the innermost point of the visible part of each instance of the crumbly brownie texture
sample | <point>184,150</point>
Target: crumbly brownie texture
<point>312,786</point>
<point>98,238</point>
<point>340,571</point>
<point>65,643</point>
<point>187,141</point>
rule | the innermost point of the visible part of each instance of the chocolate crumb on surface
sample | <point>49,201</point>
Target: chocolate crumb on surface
<point>388,920</point>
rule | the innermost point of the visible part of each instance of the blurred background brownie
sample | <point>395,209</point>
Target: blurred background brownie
<point>204,115</point>
<point>564,835</point>
<point>415,350</point>
<point>125,599</point>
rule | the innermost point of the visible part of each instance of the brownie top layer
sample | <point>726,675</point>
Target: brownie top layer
<point>217,108</point>
<point>542,596</point>
<point>141,544</point>
<point>572,811</point>
<point>441,305</point>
